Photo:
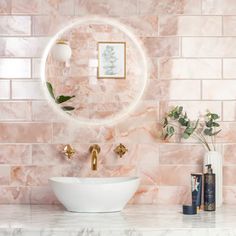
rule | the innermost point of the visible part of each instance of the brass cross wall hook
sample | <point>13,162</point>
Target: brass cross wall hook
<point>120,150</point>
<point>69,151</point>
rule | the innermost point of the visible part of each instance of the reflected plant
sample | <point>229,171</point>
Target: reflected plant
<point>199,130</point>
<point>60,99</point>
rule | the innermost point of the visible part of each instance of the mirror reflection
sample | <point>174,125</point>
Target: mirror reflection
<point>95,72</point>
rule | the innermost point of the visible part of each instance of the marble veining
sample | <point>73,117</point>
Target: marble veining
<point>138,220</point>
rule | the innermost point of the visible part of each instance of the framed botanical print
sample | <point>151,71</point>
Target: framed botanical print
<point>111,60</point>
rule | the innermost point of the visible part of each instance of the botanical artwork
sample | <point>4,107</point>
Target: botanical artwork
<point>111,60</point>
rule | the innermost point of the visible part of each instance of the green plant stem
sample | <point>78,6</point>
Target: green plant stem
<point>205,142</point>
<point>212,141</point>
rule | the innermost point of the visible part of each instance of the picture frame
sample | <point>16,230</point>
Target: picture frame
<point>111,60</point>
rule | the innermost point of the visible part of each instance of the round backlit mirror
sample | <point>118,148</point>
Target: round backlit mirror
<point>94,71</point>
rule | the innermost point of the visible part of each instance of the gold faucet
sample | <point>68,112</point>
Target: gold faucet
<point>94,150</point>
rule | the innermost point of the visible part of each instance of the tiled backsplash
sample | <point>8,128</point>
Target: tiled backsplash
<point>191,45</point>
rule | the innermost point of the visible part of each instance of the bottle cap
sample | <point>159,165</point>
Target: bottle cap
<point>209,169</point>
<point>189,210</point>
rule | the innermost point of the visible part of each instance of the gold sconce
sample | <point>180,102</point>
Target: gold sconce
<point>120,150</point>
<point>69,151</point>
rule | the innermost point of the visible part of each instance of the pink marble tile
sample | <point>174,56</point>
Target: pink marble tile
<point>58,7</point>
<point>4,175</point>
<point>14,195</point>
<point>178,175</point>
<point>5,7</point>
<point>15,68</point>
<point>209,47</point>
<point>15,25</point>
<point>219,7</point>
<point>179,68</point>
<point>177,154</point>
<point>42,195</point>
<point>15,154</point>
<point>229,195</point>
<point>169,195</point>
<point>170,7</point>
<point>229,68</point>
<point>4,89</point>
<point>219,89</point>
<point>22,47</point>
<point>44,111</point>
<point>25,132</point>
<point>38,175</point>
<point>14,111</point>
<point>153,67</point>
<point>194,109</point>
<point>229,111</point>
<point>227,135</point>
<point>146,26</point>
<point>36,67</point>
<point>27,89</point>
<point>106,7</point>
<point>173,90</point>
<point>183,25</point>
<point>229,23</point>
<point>229,175</point>
<point>63,132</point>
<point>26,7</point>
<point>145,195</point>
<point>161,47</point>
<point>229,154</point>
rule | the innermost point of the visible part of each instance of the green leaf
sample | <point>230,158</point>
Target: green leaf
<point>180,109</point>
<point>67,108</point>
<point>208,131</point>
<point>165,122</point>
<point>214,124</point>
<point>209,123</point>
<point>50,90</point>
<point>185,136</point>
<point>215,116</point>
<point>215,133</point>
<point>62,98</point>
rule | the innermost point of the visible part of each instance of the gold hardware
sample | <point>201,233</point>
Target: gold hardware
<point>120,150</point>
<point>62,41</point>
<point>94,150</point>
<point>69,151</point>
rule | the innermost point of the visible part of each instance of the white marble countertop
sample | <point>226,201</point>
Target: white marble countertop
<point>137,220</point>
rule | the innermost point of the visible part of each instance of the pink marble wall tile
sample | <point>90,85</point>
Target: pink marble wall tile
<point>170,7</point>
<point>229,195</point>
<point>36,67</point>
<point>14,195</point>
<point>227,135</point>
<point>15,68</point>
<point>44,111</point>
<point>161,47</point>
<point>178,175</point>
<point>5,7</point>
<point>15,154</point>
<point>179,68</point>
<point>145,195</point>
<point>106,7</point>
<point>229,23</point>
<point>209,47</point>
<point>4,89</point>
<point>174,195</point>
<point>219,7</point>
<point>42,195</point>
<point>229,111</point>
<point>26,7</point>
<point>15,25</point>
<point>63,132</point>
<point>182,25</point>
<point>177,154</point>
<point>25,132</point>
<point>229,175</point>
<point>27,89</point>
<point>229,68</point>
<point>146,26</point>
<point>15,111</point>
<point>173,90</point>
<point>219,89</point>
<point>153,67</point>
<point>4,175</point>
<point>22,47</point>
<point>229,154</point>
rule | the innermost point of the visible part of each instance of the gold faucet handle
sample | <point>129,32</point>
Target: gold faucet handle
<point>120,150</point>
<point>69,151</point>
<point>94,147</point>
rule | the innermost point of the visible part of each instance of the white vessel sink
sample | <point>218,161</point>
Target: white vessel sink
<point>94,194</point>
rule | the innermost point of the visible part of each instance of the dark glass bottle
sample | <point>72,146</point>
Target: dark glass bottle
<point>209,190</point>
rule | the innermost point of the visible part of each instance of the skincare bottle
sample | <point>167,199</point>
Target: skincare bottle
<point>209,190</point>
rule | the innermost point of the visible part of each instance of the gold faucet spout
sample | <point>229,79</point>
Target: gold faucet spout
<point>94,150</point>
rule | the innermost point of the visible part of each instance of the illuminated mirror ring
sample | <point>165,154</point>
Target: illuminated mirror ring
<point>116,24</point>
